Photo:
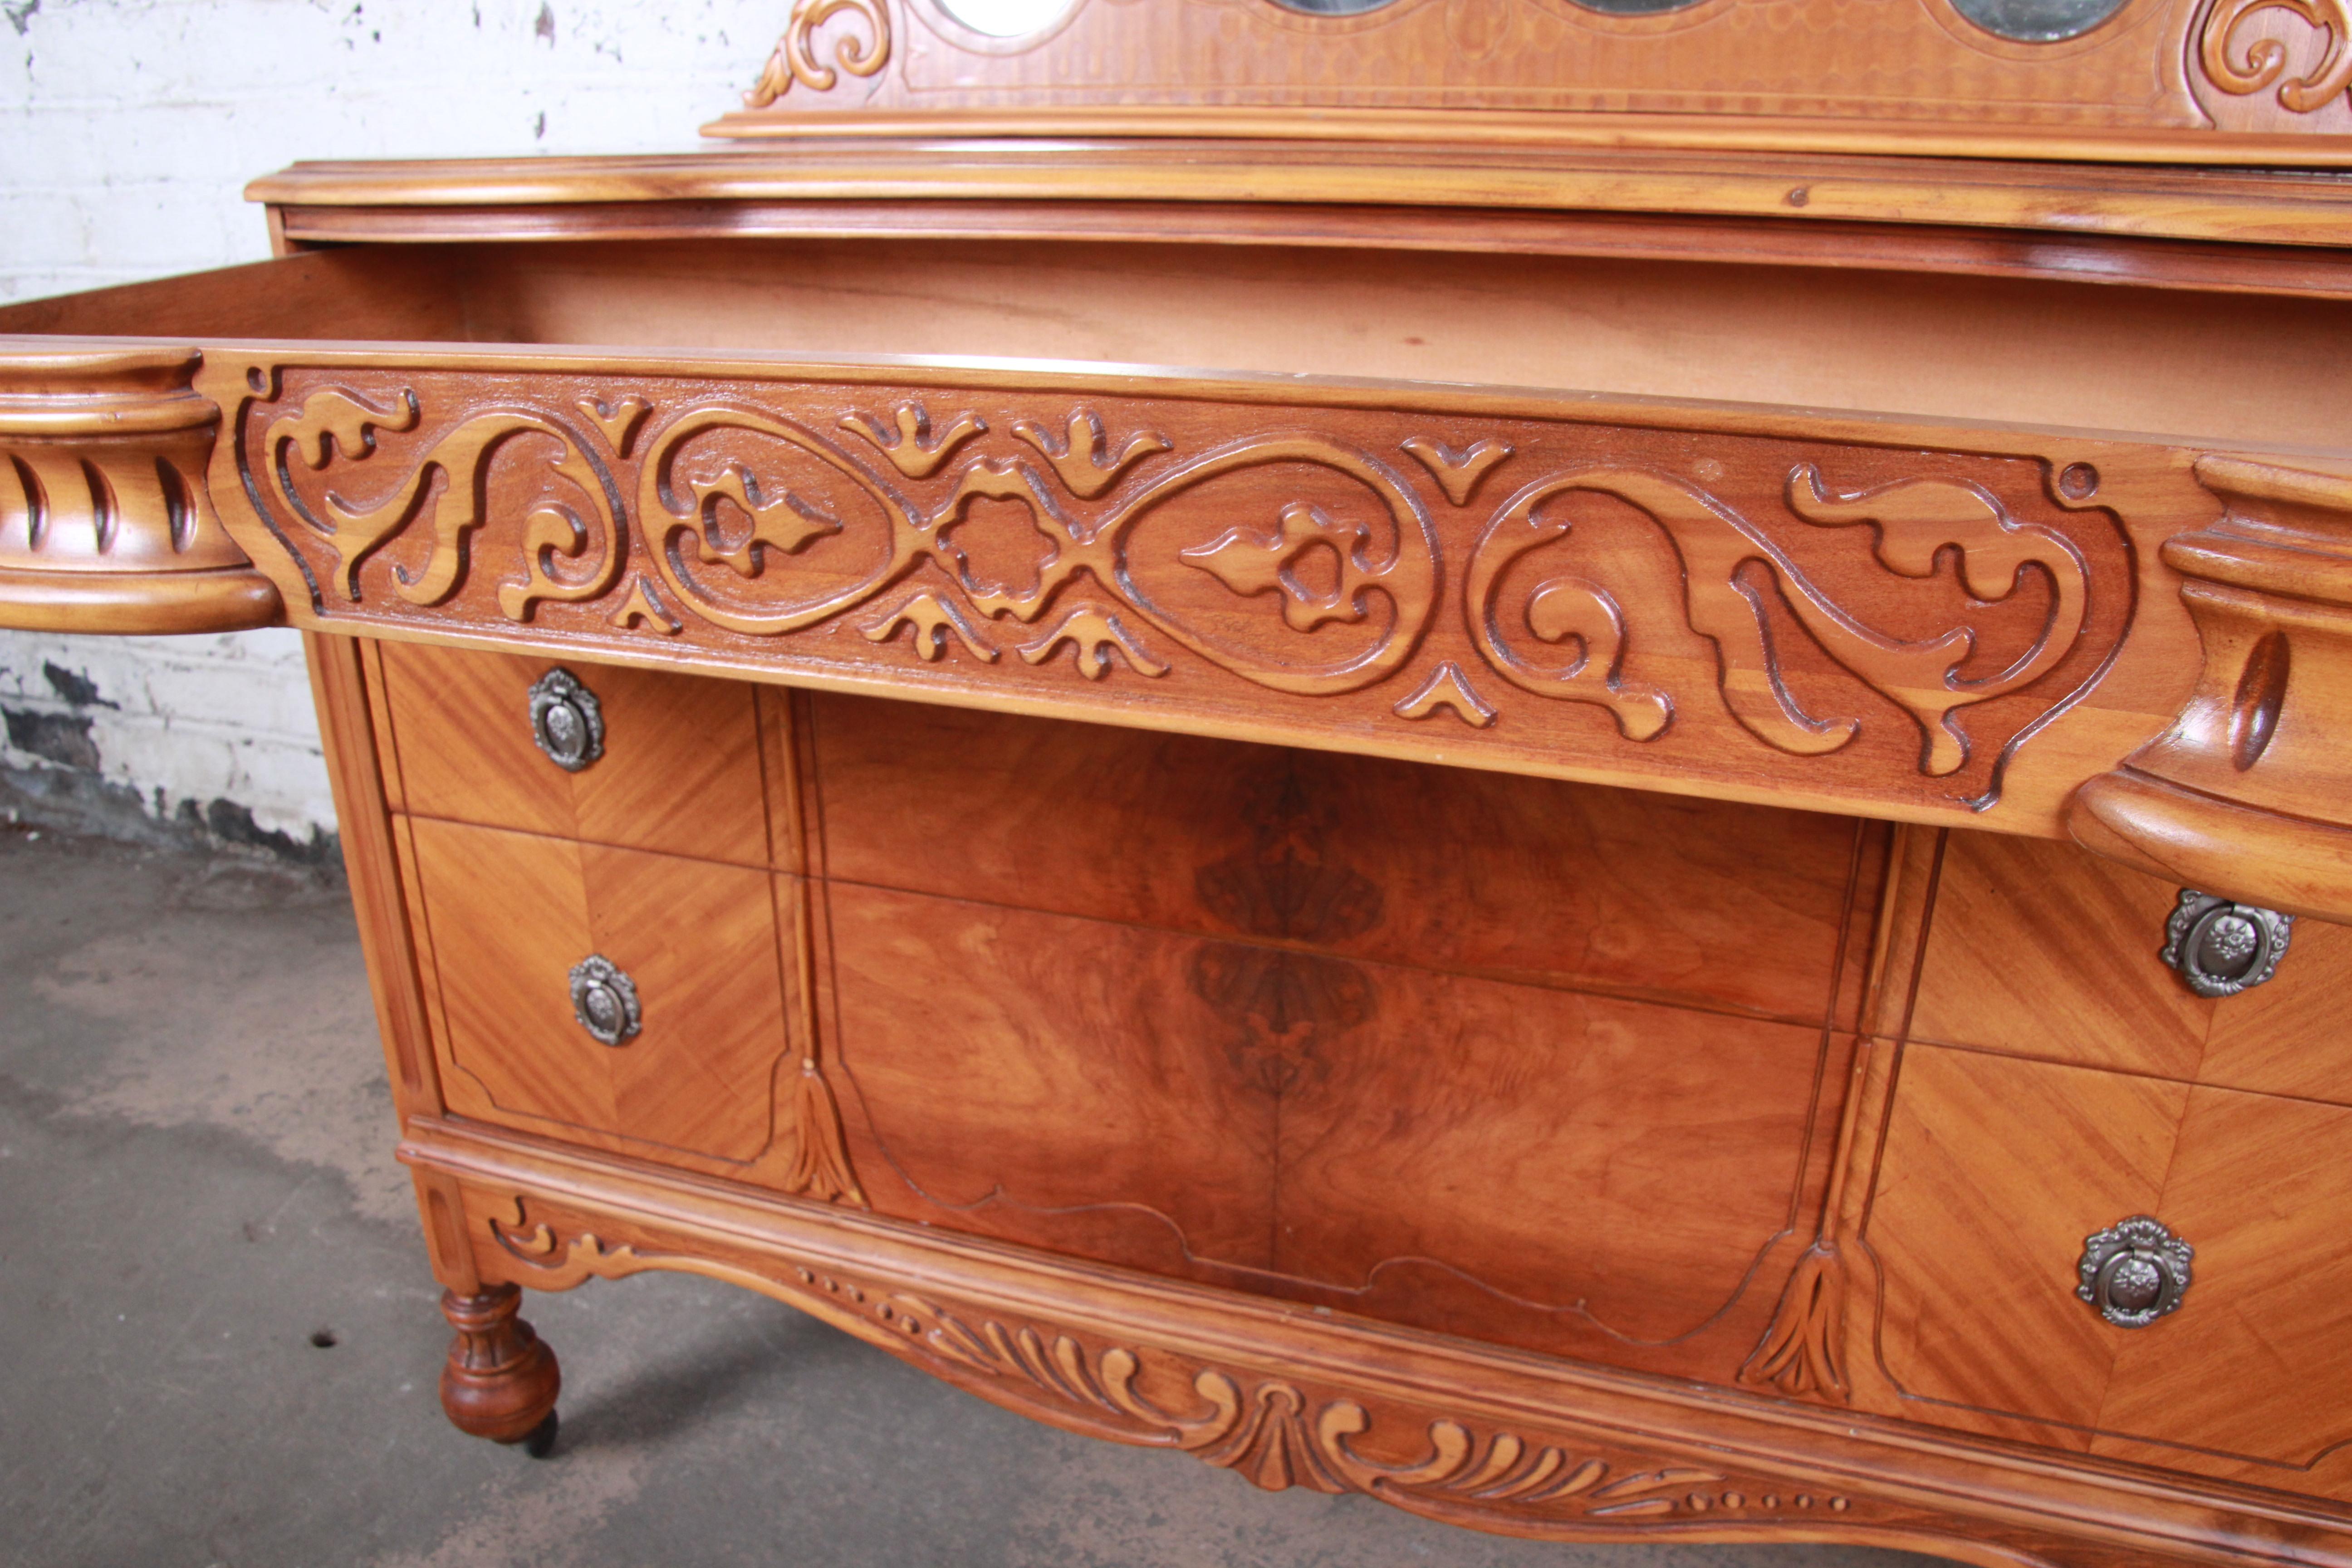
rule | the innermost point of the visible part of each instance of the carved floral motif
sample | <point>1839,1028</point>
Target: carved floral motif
<point>1271,1431</point>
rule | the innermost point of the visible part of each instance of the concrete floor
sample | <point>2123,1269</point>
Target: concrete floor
<point>196,1188</point>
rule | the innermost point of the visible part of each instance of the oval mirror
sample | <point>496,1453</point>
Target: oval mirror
<point>1004,18</point>
<point>2038,21</point>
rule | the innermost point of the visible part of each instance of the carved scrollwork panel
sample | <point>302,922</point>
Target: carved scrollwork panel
<point>1276,1432</point>
<point>1887,622</point>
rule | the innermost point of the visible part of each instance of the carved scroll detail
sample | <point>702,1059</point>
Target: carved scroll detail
<point>1272,1431</point>
<point>2264,60</point>
<point>334,419</point>
<point>1915,522</point>
<point>1093,546</point>
<point>795,489</point>
<point>795,59</point>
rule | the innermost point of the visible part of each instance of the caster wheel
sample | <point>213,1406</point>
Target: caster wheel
<point>540,1442</point>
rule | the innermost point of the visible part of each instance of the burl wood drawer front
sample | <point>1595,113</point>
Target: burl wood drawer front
<point>1995,1172</point>
<point>677,766</point>
<point>507,916</point>
<point>1706,903</point>
<point>1558,1170</point>
<point>2046,950</point>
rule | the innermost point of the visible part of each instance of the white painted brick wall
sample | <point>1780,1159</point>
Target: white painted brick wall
<point>128,129</point>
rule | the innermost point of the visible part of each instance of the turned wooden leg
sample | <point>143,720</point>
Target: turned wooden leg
<point>501,1380</point>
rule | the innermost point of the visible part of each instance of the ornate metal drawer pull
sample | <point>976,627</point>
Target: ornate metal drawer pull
<point>2221,948</point>
<point>604,1000</point>
<point>2134,1271</point>
<point>566,720</point>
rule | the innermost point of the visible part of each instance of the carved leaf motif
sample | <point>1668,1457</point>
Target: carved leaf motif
<point>1096,634</point>
<point>1800,1352</point>
<point>335,420</point>
<point>1458,473</point>
<point>2266,60</point>
<point>1084,459</point>
<point>1252,563</point>
<point>664,514</point>
<point>1915,520</point>
<point>1343,546</point>
<point>909,445</point>
<point>643,606</point>
<point>820,1161</point>
<point>788,523</point>
<point>619,421</point>
<point>1018,483</point>
<point>1561,609</point>
<point>933,619</point>
<point>1407,576</point>
<point>1448,689</point>
<point>550,531</point>
<point>1271,1446</point>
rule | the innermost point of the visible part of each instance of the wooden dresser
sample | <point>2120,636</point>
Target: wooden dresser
<point>1659,862</point>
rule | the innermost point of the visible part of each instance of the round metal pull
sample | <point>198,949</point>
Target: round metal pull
<point>2134,1271</point>
<point>604,1000</point>
<point>566,720</point>
<point>2221,948</point>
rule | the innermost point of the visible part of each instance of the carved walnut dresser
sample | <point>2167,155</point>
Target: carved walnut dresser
<point>1658,861</point>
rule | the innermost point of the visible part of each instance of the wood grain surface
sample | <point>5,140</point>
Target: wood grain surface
<point>1027,161</point>
<point>1649,897</point>
<point>509,914</point>
<point>1995,1172</point>
<point>1844,244</point>
<point>680,770</point>
<point>2046,950</point>
<point>1537,1167</point>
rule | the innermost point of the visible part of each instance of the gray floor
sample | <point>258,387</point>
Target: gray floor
<point>196,1185</point>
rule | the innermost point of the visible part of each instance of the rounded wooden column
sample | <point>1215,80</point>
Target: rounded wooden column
<point>501,1380</point>
<point>105,521</point>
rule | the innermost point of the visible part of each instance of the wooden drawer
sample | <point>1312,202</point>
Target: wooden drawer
<point>1562,1171</point>
<point>1710,904</point>
<point>507,916</point>
<point>1996,1170</point>
<point>2045,950</point>
<point>679,769</point>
